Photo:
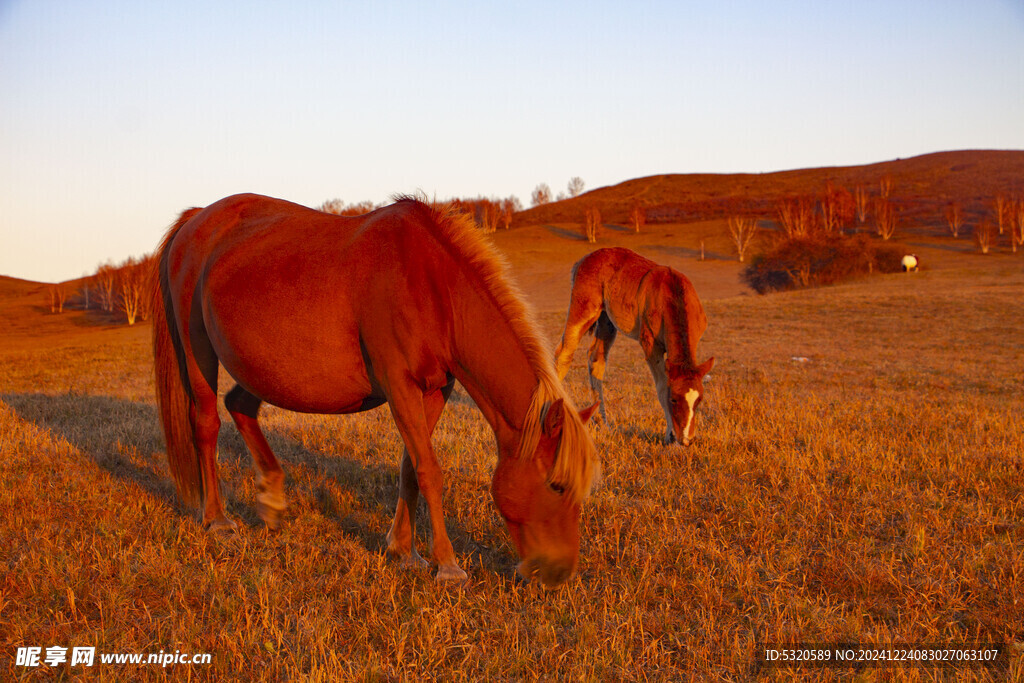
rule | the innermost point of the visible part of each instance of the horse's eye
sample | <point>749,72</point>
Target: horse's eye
<point>557,488</point>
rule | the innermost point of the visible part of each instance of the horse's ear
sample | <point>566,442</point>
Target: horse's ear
<point>705,367</point>
<point>554,419</point>
<point>587,413</point>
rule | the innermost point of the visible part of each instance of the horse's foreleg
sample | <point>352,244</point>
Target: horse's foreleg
<point>401,538</point>
<point>657,364</point>
<point>416,417</point>
<point>270,501</point>
<point>604,337</point>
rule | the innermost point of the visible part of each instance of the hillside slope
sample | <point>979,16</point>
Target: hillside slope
<point>921,186</point>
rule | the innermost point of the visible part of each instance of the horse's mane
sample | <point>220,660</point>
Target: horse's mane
<point>575,465</point>
<point>683,350</point>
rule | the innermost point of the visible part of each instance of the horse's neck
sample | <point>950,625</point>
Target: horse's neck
<point>491,363</point>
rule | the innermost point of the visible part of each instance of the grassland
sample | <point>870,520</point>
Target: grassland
<point>859,477</point>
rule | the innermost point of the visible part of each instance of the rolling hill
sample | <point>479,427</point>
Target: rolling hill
<point>921,187</point>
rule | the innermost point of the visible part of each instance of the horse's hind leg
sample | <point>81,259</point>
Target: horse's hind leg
<point>206,426</point>
<point>270,501</point>
<point>585,306</point>
<point>604,337</point>
<point>401,538</point>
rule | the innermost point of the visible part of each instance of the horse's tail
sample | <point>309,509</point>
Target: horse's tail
<point>173,390</point>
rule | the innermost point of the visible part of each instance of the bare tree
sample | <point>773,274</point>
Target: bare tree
<point>58,295</point>
<point>837,207</point>
<point>84,288</point>
<point>489,214</point>
<point>637,216</point>
<point>508,208</point>
<point>131,288</point>
<point>105,278</point>
<point>796,215</point>
<point>885,186</point>
<point>984,235</point>
<point>1002,210</point>
<point>742,230</point>
<point>860,200</point>
<point>591,223</point>
<point>541,195</point>
<point>954,218</point>
<point>335,206</point>
<point>575,186</point>
<point>885,218</point>
<point>149,273</point>
<point>1016,213</point>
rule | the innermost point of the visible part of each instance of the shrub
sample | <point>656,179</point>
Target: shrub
<point>888,258</point>
<point>819,260</point>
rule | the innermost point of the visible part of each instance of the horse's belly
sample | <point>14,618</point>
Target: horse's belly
<point>626,324</point>
<point>309,389</point>
<point>300,370</point>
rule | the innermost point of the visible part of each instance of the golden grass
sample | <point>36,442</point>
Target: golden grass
<point>872,493</point>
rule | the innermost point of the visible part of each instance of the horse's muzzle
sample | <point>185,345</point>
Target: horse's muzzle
<point>550,572</point>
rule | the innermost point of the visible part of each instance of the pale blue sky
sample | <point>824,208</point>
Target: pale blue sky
<point>114,116</point>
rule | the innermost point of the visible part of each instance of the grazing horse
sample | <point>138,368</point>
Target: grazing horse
<point>617,289</point>
<point>326,314</point>
<point>909,263</point>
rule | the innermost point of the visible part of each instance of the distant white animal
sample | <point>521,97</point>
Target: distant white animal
<point>909,263</point>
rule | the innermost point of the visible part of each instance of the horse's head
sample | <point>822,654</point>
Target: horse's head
<point>686,390</point>
<point>540,501</point>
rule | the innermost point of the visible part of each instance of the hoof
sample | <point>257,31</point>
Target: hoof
<point>407,558</point>
<point>668,439</point>
<point>221,526</point>
<point>270,506</point>
<point>450,572</point>
<point>413,562</point>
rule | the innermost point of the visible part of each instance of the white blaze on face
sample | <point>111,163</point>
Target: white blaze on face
<point>691,399</point>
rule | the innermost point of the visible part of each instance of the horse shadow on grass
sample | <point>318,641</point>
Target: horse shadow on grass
<point>654,436</point>
<point>125,440</point>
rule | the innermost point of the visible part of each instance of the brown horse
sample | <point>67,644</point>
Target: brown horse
<point>617,289</point>
<point>319,313</point>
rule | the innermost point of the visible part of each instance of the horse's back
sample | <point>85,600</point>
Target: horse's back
<point>288,295</point>
<point>632,287</point>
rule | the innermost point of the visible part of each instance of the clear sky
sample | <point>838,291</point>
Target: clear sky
<point>116,115</point>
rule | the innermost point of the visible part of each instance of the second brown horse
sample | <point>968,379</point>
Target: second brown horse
<point>617,289</point>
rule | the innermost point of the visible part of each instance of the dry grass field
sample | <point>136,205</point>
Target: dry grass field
<point>858,478</point>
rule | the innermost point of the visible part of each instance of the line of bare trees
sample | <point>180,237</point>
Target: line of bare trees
<point>1008,211</point>
<point>340,208</point>
<point>124,287</point>
<point>832,211</point>
<point>488,213</point>
<point>542,193</point>
<point>119,289</point>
